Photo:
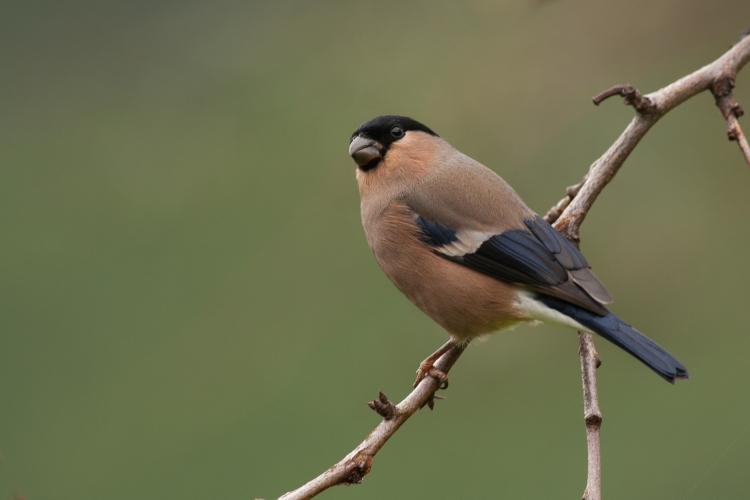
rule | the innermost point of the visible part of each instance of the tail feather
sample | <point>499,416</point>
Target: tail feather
<point>623,335</point>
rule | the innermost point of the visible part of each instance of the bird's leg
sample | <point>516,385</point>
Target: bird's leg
<point>427,367</point>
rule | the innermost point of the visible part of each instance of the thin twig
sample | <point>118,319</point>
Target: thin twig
<point>630,95</point>
<point>738,136</point>
<point>567,215</point>
<point>357,464</point>
<point>591,415</point>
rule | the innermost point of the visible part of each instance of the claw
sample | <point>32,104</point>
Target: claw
<point>426,369</point>
<point>440,376</point>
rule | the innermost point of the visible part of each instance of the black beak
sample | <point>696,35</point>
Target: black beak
<point>364,150</point>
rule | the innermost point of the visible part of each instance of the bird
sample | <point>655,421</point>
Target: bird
<point>462,246</point>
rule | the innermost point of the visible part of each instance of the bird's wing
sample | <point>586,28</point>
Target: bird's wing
<point>538,258</point>
<point>505,239</point>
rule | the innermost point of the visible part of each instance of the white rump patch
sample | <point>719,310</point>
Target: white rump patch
<point>539,311</point>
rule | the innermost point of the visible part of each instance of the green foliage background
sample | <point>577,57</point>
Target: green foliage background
<point>188,306</point>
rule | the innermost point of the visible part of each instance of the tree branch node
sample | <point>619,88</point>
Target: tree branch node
<point>722,91</point>
<point>730,110</point>
<point>383,406</point>
<point>360,467</point>
<point>567,225</point>
<point>594,419</point>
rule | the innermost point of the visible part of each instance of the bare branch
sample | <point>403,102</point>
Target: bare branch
<point>719,77</point>
<point>567,216</point>
<point>603,170</point>
<point>735,134</point>
<point>591,415</point>
<point>357,464</point>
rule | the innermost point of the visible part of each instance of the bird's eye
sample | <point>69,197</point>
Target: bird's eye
<point>397,132</point>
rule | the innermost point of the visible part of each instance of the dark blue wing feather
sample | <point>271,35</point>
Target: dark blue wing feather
<point>539,258</point>
<point>523,252</point>
<point>541,254</point>
<point>568,255</point>
<point>434,233</point>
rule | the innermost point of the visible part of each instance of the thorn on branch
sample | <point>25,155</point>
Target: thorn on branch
<point>383,406</point>
<point>631,96</point>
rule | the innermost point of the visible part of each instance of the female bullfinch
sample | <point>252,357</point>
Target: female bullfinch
<point>459,242</point>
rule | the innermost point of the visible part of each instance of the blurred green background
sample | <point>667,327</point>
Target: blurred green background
<point>188,305</point>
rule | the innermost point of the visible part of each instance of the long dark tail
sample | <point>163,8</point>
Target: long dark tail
<point>623,335</point>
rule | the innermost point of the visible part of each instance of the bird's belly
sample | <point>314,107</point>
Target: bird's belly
<point>464,302</point>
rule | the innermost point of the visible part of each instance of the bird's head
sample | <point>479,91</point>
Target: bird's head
<point>373,139</point>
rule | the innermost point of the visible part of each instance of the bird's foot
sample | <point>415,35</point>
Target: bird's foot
<point>427,369</point>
